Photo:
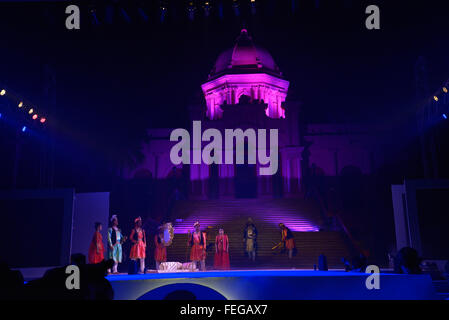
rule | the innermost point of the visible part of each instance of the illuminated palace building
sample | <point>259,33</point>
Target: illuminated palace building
<point>246,89</point>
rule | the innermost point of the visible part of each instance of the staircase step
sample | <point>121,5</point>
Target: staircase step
<point>301,216</point>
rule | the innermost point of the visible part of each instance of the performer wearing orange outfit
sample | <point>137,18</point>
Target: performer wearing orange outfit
<point>287,240</point>
<point>140,244</point>
<point>221,259</point>
<point>160,252</point>
<point>197,241</point>
<point>96,249</point>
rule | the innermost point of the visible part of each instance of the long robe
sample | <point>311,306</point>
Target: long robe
<point>96,249</point>
<point>221,259</point>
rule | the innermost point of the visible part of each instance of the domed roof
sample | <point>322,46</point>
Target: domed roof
<point>245,57</point>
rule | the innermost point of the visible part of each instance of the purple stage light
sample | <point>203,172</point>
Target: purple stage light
<point>219,216</point>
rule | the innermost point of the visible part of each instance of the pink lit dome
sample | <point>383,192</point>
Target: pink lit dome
<point>245,57</point>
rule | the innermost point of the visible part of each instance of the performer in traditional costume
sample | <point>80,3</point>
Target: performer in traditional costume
<point>287,240</point>
<point>96,249</point>
<point>139,244</point>
<point>250,239</point>
<point>197,241</point>
<point>115,240</point>
<point>221,259</point>
<point>160,251</point>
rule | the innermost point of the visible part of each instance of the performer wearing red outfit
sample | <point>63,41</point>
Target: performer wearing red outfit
<point>140,244</point>
<point>221,259</point>
<point>197,241</point>
<point>287,240</point>
<point>160,252</point>
<point>96,249</point>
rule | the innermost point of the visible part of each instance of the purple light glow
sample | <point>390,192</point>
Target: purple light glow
<point>258,87</point>
<point>296,222</point>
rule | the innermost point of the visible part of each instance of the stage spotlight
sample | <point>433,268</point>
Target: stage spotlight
<point>163,8</point>
<point>31,111</point>
<point>253,7</point>
<point>93,16</point>
<point>24,128</point>
<point>444,89</point>
<point>236,7</point>
<point>206,8</point>
<point>220,10</point>
<point>43,120</point>
<point>109,14</point>
<point>35,116</point>
<point>0,115</point>
<point>163,13</point>
<point>435,98</point>
<point>3,92</point>
<point>143,14</point>
<point>444,116</point>
<point>20,104</point>
<point>191,11</point>
<point>294,5</point>
<point>125,15</point>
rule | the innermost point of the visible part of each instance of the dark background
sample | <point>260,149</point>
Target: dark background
<point>33,232</point>
<point>433,219</point>
<point>115,79</point>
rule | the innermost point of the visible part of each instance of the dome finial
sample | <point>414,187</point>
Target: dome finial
<point>246,57</point>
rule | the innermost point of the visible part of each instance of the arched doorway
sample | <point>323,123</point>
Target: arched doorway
<point>245,174</point>
<point>245,180</point>
<point>214,182</point>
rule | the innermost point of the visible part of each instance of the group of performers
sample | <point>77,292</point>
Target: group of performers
<point>197,241</point>
<point>115,241</point>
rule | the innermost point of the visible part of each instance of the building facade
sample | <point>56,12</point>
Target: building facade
<point>247,90</point>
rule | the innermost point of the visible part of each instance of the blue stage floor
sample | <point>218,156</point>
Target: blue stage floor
<point>230,273</point>
<point>272,285</point>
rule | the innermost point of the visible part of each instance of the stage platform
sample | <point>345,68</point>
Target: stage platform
<point>270,285</point>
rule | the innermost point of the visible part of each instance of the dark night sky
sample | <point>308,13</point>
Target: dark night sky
<point>114,81</point>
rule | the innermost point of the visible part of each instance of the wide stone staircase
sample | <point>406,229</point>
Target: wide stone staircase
<point>301,216</point>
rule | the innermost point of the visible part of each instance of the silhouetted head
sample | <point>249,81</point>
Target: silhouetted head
<point>408,261</point>
<point>78,259</point>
